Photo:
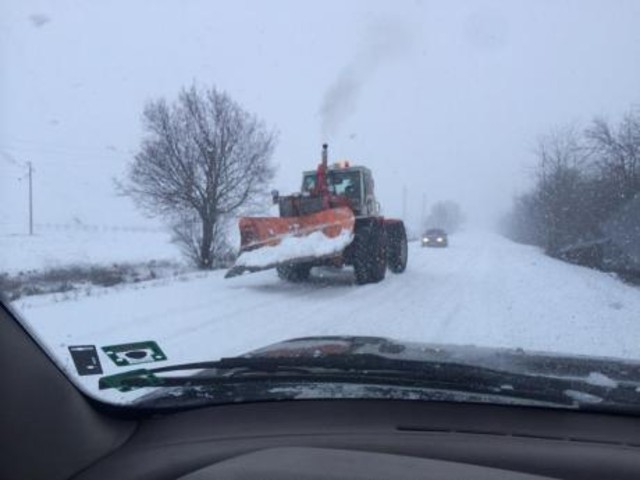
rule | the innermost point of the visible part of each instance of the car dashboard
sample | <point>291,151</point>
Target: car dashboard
<point>52,431</point>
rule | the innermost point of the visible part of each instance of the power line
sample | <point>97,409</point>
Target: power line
<point>57,146</point>
<point>10,158</point>
<point>108,148</point>
<point>78,154</point>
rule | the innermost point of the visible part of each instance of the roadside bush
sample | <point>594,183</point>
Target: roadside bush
<point>582,179</point>
<point>77,277</point>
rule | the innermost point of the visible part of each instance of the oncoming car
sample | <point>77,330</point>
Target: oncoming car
<point>435,237</point>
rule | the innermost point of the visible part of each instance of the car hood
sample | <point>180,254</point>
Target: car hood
<point>495,375</point>
<point>595,370</point>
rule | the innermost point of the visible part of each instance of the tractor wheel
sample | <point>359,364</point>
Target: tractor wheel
<point>370,259</point>
<point>294,273</point>
<point>397,248</point>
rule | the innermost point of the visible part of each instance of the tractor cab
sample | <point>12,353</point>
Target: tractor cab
<point>354,183</point>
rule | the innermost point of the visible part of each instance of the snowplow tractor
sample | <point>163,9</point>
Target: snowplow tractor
<point>334,220</point>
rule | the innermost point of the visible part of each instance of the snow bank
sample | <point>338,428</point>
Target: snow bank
<point>55,249</point>
<point>582,397</point>
<point>483,290</point>
<point>601,380</point>
<point>316,244</point>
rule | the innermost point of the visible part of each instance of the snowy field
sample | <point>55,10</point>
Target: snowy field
<point>482,290</point>
<point>64,247</point>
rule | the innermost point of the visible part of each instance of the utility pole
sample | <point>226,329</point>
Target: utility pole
<point>30,198</point>
<point>404,203</point>
<point>9,158</point>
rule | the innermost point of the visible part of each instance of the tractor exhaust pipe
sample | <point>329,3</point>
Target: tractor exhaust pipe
<point>325,155</point>
<point>322,188</point>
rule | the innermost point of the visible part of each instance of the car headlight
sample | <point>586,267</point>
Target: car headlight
<point>440,239</point>
<point>425,240</point>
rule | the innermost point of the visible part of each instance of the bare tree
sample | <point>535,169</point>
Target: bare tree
<point>618,152</point>
<point>583,178</point>
<point>202,159</point>
<point>561,160</point>
<point>561,148</point>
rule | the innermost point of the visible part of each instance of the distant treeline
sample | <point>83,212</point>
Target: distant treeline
<point>584,178</point>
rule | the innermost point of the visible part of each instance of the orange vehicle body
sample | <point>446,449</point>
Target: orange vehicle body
<point>257,232</point>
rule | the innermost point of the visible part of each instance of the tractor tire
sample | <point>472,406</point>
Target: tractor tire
<point>370,258</point>
<point>294,273</point>
<point>397,248</point>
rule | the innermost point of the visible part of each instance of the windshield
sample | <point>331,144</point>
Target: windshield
<point>339,183</point>
<point>152,213</point>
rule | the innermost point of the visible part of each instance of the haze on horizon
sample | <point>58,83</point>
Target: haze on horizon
<point>442,99</point>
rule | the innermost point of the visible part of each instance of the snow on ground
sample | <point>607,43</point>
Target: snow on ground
<point>72,246</point>
<point>482,290</point>
<point>316,244</point>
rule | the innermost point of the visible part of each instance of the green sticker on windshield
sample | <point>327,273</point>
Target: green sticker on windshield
<point>125,382</point>
<point>134,353</point>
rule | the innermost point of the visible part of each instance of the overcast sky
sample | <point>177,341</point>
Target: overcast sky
<point>445,98</point>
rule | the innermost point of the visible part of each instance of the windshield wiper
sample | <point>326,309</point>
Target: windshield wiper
<point>370,369</point>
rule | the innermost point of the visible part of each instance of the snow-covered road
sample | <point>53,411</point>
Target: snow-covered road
<point>482,290</point>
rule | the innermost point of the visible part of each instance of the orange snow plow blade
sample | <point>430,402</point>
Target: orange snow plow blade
<point>283,239</point>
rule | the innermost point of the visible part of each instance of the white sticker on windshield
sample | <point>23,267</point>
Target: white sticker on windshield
<point>134,353</point>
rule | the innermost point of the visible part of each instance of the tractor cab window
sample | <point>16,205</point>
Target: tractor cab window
<point>309,183</point>
<point>340,183</point>
<point>344,183</point>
